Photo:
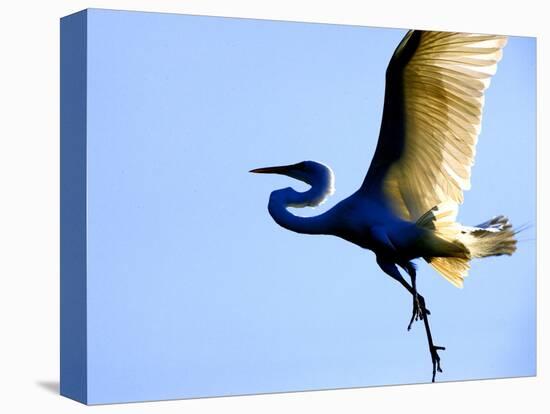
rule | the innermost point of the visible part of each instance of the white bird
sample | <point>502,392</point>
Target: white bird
<point>407,206</point>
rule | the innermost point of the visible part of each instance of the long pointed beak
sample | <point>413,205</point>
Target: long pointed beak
<point>272,170</point>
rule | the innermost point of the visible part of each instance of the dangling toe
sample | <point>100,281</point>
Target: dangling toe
<point>419,310</point>
<point>416,313</point>
<point>436,361</point>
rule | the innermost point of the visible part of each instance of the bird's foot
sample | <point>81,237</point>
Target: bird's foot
<point>436,362</point>
<point>419,310</point>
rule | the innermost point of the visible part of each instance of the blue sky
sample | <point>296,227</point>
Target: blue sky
<point>195,291</point>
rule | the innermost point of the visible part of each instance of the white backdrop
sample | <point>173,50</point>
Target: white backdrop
<point>29,205</point>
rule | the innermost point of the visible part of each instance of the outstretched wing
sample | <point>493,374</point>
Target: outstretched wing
<point>433,104</point>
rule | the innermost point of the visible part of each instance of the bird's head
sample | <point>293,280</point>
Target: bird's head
<point>319,176</point>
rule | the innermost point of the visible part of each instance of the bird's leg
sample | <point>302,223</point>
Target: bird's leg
<point>391,269</point>
<point>418,311</point>
<point>421,312</point>
<point>436,362</point>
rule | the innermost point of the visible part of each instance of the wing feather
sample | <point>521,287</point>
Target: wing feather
<point>435,85</point>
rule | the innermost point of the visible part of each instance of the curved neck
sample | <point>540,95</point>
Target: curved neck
<point>287,197</point>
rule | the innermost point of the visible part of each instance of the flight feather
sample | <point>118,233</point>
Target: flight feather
<point>433,105</point>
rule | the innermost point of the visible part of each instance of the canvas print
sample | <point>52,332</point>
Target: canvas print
<point>208,249</point>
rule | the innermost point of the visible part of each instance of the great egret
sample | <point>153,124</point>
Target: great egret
<point>406,207</point>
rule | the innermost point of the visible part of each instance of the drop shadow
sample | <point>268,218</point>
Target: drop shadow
<point>50,386</point>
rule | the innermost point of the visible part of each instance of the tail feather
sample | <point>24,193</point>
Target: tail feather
<point>451,268</point>
<point>493,237</point>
